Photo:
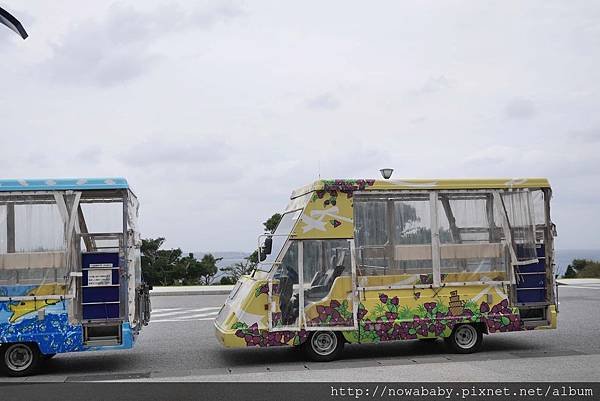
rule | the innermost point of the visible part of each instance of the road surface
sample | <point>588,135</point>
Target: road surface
<point>179,345</point>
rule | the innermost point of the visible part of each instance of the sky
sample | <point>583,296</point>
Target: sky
<point>216,110</point>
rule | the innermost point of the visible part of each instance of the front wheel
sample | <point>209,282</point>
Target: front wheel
<point>465,339</point>
<point>19,359</point>
<point>323,346</point>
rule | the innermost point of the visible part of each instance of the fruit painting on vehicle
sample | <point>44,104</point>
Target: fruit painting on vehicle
<point>388,319</point>
<point>254,337</point>
<point>336,314</point>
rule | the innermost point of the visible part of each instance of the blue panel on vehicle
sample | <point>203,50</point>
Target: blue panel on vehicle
<point>100,294</point>
<point>531,280</point>
<point>539,267</point>
<point>534,267</point>
<point>99,258</point>
<point>540,250</point>
<point>100,311</point>
<point>528,296</point>
<point>107,296</point>
<point>62,184</point>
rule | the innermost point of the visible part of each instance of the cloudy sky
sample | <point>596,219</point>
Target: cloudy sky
<point>216,110</point>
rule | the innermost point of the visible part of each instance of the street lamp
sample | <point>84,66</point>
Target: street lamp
<point>12,23</point>
<point>386,173</point>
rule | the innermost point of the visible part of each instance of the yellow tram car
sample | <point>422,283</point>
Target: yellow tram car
<point>367,261</point>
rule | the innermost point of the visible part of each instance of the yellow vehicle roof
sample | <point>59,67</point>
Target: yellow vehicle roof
<point>413,184</point>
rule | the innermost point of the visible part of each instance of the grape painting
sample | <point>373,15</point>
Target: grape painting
<point>254,337</point>
<point>264,289</point>
<point>336,314</point>
<point>390,321</point>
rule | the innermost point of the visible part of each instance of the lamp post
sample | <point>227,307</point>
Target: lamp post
<point>386,173</point>
<point>12,23</point>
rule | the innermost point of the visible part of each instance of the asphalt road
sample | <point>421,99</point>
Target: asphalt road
<point>179,345</point>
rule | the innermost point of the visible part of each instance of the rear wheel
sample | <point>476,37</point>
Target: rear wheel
<point>323,346</point>
<point>19,359</point>
<point>465,339</point>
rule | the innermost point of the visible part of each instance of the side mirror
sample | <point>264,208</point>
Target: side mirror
<point>268,246</point>
<point>265,249</point>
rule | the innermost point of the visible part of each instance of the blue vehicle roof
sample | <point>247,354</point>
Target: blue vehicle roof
<point>58,184</point>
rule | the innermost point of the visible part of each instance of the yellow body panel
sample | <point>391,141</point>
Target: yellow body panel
<point>328,214</point>
<point>421,312</point>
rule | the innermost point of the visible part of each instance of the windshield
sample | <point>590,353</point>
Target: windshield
<point>285,227</point>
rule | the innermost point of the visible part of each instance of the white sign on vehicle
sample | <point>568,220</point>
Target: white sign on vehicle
<point>99,277</point>
<point>101,265</point>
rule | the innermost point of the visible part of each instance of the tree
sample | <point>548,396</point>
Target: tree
<point>272,223</point>
<point>240,269</point>
<point>191,268</point>
<point>159,267</point>
<point>225,280</point>
<point>208,268</point>
<point>570,273</point>
<point>583,268</point>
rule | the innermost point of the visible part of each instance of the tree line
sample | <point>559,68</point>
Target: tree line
<point>166,267</point>
<point>583,268</point>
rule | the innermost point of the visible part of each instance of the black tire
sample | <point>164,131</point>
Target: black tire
<point>19,359</point>
<point>465,339</point>
<point>323,346</point>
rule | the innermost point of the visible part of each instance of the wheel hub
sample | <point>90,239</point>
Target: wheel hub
<point>466,336</point>
<point>324,343</point>
<point>18,357</point>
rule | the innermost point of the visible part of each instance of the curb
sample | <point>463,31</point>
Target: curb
<point>578,281</point>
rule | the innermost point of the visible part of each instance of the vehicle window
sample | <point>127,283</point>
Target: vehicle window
<point>31,225</point>
<point>471,238</point>
<point>285,227</point>
<point>519,206</point>
<point>286,311</point>
<point>393,234</point>
<point>371,233</point>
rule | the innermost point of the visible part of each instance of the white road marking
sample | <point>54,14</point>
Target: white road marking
<point>180,311</point>
<point>200,315</point>
<point>180,320</point>
<point>184,311</point>
<point>184,314</point>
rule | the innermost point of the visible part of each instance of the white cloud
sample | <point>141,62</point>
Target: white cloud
<point>215,111</point>
<point>326,101</point>
<point>119,46</point>
<point>520,109</point>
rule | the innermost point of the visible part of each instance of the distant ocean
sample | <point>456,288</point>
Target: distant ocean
<point>563,258</point>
